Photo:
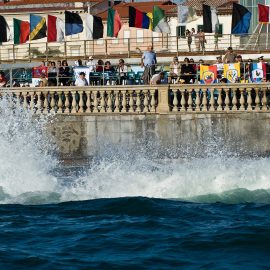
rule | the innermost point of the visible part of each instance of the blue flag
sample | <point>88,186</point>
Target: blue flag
<point>241,17</point>
<point>73,23</point>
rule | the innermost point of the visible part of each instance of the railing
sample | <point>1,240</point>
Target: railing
<point>128,47</point>
<point>141,99</point>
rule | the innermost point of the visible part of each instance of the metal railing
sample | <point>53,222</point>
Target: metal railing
<point>129,47</point>
<point>175,99</point>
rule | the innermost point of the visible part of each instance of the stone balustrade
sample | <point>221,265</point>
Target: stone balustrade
<point>142,99</point>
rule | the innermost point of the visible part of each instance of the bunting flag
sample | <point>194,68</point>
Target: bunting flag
<point>263,13</point>
<point>210,19</point>
<point>73,23</point>
<point>38,28</point>
<point>139,19</point>
<point>241,17</point>
<point>114,23</point>
<point>186,14</point>
<point>93,27</point>
<point>160,23</point>
<point>38,71</point>
<point>21,31</point>
<point>208,74</point>
<point>258,72</point>
<point>4,30</point>
<point>232,72</point>
<point>55,29</point>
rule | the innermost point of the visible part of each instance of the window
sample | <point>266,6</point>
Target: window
<point>180,31</point>
<point>126,36</point>
<point>220,30</point>
<point>139,36</point>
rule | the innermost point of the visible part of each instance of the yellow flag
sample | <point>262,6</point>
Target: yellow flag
<point>232,72</point>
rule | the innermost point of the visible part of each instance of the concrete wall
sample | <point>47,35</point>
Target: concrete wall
<point>187,134</point>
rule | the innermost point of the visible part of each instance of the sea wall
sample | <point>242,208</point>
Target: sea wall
<point>83,136</point>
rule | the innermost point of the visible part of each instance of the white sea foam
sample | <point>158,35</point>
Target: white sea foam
<point>27,166</point>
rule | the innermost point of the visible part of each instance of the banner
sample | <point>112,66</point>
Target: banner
<point>232,72</point>
<point>78,70</point>
<point>258,72</point>
<point>208,74</point>
<point>37,71</point>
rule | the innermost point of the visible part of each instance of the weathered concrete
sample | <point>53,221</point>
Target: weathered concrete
<point>84,135</point>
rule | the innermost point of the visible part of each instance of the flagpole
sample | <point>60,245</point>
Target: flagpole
<point>267,37</point>
<point>258,36</point>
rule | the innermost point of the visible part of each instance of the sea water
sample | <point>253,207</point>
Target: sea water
<point>131,207</point>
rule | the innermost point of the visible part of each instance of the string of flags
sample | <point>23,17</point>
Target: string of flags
<point>56,29</point>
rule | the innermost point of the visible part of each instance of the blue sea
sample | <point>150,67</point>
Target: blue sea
<point>139,207</point>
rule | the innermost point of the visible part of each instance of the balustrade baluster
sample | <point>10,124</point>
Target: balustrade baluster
<point>88,102</point>
<point>68,103</point>
<point>204,100</point>
<point>234,100</point>
<point>189,109</point>
<point>175,101</point>
<point>145,101</point>
<point>131,102</point>
<point>219,101</point>
<point>257,100</point>
<point>102,102</point>
<point>31,100</point>
<point>153,102</point>
<point>73,103</point>
<point>45,110</point>
<point>197,102</point>
<point>264,99</point>
<point>227,99</point>
<point>183,100</point>
<point>124,101</point>
<point>212,100</point>
<point>53,102</point>
<point>242,100</point>
<point>110,103</point>
<point>60,104</point>
<point>95,95</point>
<point>249,100</point>
<point>116,101</point>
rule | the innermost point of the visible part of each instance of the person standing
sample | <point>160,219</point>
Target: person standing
<point>189,39</point>
<point>202,40</point>
<point>81,80</point>
<point>91,64</point>
<point>229,56</point>
<point>148,61</point>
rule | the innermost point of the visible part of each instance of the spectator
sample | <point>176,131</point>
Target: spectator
<point>148,61</point>
<point>108,67</point>
<point>239,59</point>
<point>229,56</point>
<point>189,39</point>
<point>3,80</point>
<point>220,67</point>
<point>216,40</point>
<point>202,40</point>
<point>91,64</point>
<point>175,70</point>
<point>52,74</point>
<point>64,73</point>
<point>100,66</point>
<point>248,69</point>
<point>78,63</point>
<point>43,81</point>
<point>186,71</point>
<point>159,79</point>
<point>81,80</point>
<point>122,69</point>
<point>194,69</point>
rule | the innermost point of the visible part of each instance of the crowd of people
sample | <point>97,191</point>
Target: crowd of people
<point>60,73</point>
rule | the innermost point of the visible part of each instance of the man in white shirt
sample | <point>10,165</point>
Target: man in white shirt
<point>81,80</point>
<point>91,64</point>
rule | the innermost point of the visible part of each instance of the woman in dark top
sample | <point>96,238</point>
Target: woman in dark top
<point>64,73</point>
<point>187,71</point>
<point>100,65</point>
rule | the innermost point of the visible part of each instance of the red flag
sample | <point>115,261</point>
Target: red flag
<point>263,13</point>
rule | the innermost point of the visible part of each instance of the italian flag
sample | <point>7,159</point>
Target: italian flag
<point>160,23</point>
<point>114,23</point>
<point>21,31</point>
